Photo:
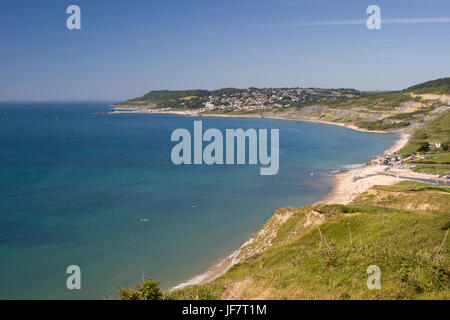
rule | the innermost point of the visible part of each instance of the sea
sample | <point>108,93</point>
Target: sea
<point>80,186</point>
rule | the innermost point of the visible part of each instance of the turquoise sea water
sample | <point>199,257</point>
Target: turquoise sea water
<point>74,186</point>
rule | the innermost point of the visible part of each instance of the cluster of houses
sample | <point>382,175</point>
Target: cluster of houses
<point>260,99</point>
<point>391,160</point>
<point>254,99</point>
<point>435,144</point>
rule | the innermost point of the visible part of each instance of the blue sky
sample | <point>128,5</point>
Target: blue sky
<point>126,48</point>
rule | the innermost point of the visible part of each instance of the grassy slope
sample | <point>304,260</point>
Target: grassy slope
<point>373,111</point>
<point>439,86</point>
<point>436,161</point>
<point>390,228</point>
<point>382,111</point>
<point>436,130</point>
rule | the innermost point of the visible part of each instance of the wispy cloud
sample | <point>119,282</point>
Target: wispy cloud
<point>415,20</point>
<point>363,21</point>
<point>409,39</point>
<point>321,23</point>
<point>353,22</point>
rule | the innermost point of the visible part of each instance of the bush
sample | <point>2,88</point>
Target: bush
<point>148,290</point>
<point>445,146</point>
<point>424,147</point>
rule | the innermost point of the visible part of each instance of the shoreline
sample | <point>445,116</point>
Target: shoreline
<point>352,183</point>
<point>124,110</point>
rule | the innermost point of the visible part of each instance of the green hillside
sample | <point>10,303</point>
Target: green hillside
<point>380,111</point>
<point>190,99</point>
<point>439,86</point>
<point>323,251</point>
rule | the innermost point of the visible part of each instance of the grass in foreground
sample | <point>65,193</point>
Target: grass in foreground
<point>309,260</point>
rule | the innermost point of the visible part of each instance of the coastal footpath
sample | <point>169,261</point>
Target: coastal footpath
<point>385,213</point>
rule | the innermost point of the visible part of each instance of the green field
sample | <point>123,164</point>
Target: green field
<point>437,130</point>
<point>434,163</point>
<point>431,160</point>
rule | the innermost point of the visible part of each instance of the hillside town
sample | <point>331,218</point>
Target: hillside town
<point>253,99</point>
<point>232,99</point>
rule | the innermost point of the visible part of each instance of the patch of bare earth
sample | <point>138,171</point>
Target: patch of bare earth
<point>245,289</point>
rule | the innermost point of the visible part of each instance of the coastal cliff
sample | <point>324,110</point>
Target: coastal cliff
<point>323,251</point>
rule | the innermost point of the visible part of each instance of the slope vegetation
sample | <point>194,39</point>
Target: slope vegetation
<point>323,251</point>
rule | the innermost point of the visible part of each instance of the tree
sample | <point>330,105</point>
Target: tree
<point>148,290</point>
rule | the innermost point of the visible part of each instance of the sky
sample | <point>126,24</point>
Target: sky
<point>127,48</point>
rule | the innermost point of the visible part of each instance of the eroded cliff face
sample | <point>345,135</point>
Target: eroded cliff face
<point>439,97</point>
<point>285,224</point>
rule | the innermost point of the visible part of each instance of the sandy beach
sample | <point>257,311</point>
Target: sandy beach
<point>350,184</point>
<point>354,182</point>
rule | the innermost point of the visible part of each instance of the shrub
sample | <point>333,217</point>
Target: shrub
<point>148,290</point>
<point>445,146</point>
<point>424,147</point>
